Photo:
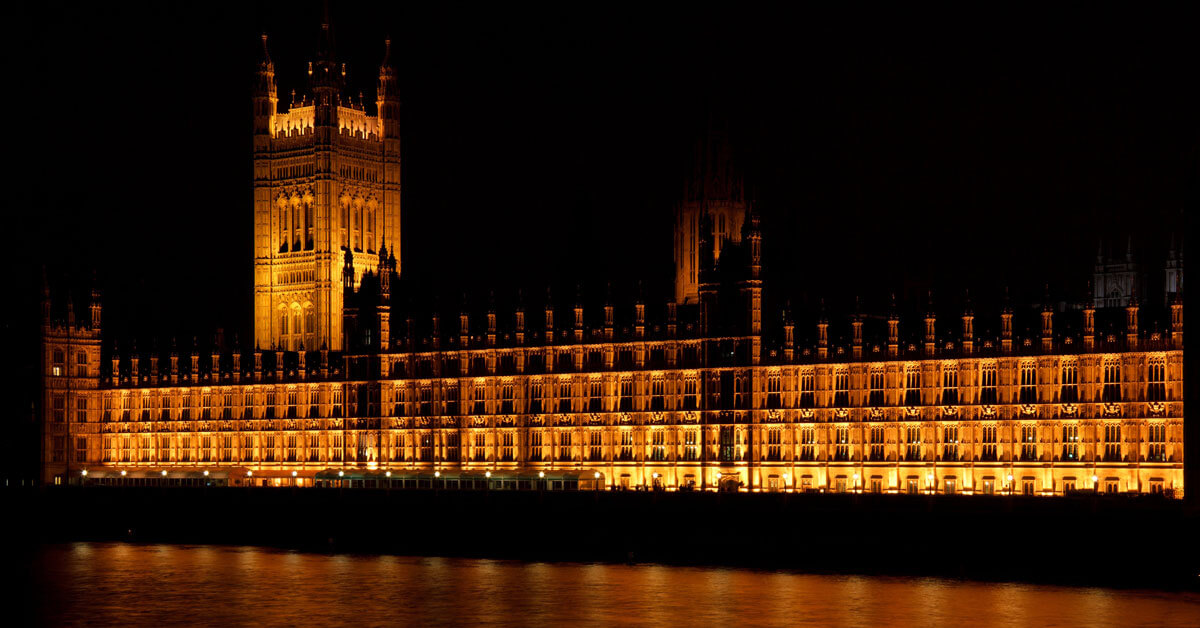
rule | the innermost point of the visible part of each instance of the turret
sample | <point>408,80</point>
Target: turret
<point>549,317</point>
<point>578,310</point>
<point>214,367</point>
<point>95,306</point>
<point>893,329</point>
<point>135,372</point>
<point>608,314</point>
<point>1131,323</point>
<point>672,319</point>
<point>856,331</point>
<point>968,327</point>
<point>822,334</point>
<point>174,359</point>
<point>464,325</point>
<point>1177,320</point>
<point>1047,323</point>
<point>1089,321</point>
<point>930,333</point>
<point>1006,329</point>
<point>789,334</point>
<point>236,356</point>
<point>383,308</point>
<point>349,302</point>
<point>639,314</point>
<point>116,363</point>
<point>155,373</point>
<point>194,361</point>
<point>491,320</point>
<point>519,319</point>
<point>266,99</point>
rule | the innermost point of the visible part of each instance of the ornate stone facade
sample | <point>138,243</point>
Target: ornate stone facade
<point>703,397</point>
<point>326,182</point>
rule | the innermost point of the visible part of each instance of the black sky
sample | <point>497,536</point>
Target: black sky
<point>887,151</point>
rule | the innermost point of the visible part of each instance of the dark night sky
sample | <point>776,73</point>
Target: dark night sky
<point>888,152</point>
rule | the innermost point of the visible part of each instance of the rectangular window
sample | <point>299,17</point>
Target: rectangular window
<point>773,391</point>
<point>987,384</point>
<point>564,396</point>
<point>1028,391</point>
<point>842,452</point>
<point>1070,442</point>
<point>81,409</point>
<point>535,397</point>
<point>950,443</point>
<point>81,364</point>
<point>774,443</point>
<point>1069,384</point>
<point>535,446</point>
<point>912,386</point>
<point>595,399</point>
<point>626,400</point>
<point>565,447</point>
<point>912,439</point>
<point>59,405</point>
<point>1156,387</point>
<point>877,444</point>
<point>876,387</point>
<point>808,383</point>
<point>426,450</point>
<point>988,440</point>
<point>1029,451</point>
<point>841,389</point>
<point>691,393</point>
<point>1112,442</point>
<point>691,449</point>
<point>1157,437</point>
<point>1112,381</point>
<point>626,453</point>
<point>808,444</point>
<point>506,398</point>
<point>480,447</point>
<point>949,385</point>
<point>658,444</point>
<point>657,388</point>
<point>595,445</point>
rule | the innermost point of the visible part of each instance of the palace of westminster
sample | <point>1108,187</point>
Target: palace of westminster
<point>707,395</point>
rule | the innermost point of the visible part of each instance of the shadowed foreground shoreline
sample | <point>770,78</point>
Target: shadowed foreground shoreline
<point>1096,541</point>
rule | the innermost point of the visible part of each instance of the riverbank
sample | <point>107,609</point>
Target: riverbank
<point>1100,541</point>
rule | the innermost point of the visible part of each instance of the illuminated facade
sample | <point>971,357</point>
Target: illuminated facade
<point>703,397</point>
<point>326,181</point>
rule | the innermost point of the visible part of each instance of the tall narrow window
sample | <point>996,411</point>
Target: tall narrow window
<point>912,385</point>
<point>876,387</point>
<point>912,439</point>
<point>950,384</point>
<point>1112,380</point>
<point>1156,387</point>
<point>773,391</point>
<point>1028,390</point>
<point>987,384</point>
<point>988,443</point>
<point>841,389</point>
<point>1069,382</point>
<point>807,388</point>
<point>1029,443</point>
<point>1157,451</point>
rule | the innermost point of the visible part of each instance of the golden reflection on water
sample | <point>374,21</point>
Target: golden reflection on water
<point>122,583</point>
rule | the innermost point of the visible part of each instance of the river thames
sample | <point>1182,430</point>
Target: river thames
<point>123,583</point>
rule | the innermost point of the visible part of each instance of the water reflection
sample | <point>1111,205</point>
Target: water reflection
<point>154,584</point>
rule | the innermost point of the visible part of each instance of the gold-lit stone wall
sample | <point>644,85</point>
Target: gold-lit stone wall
<point>646,414</point>
<point>326,181</point>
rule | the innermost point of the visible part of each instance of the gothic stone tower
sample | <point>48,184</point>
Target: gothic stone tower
<point>714,202</point>
<point>326,182</point>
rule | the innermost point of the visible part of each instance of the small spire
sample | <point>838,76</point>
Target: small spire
<point>1046,307</point>
<point>266,55</point>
